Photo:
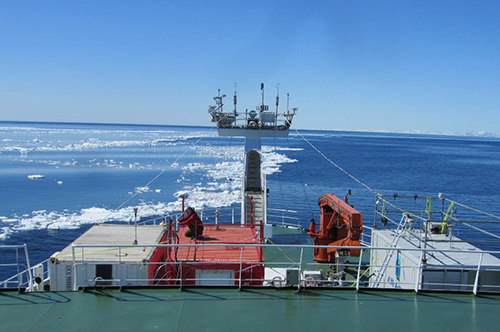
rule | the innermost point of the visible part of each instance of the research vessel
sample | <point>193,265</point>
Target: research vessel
<point>251,269</point>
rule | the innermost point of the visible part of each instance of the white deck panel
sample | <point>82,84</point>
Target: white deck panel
<point>107,234</point>
<point>459,259</point>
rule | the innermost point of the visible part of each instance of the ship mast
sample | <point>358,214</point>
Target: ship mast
<point>253,126</point>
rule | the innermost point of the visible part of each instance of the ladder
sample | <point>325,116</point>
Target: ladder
<point>390,253</point>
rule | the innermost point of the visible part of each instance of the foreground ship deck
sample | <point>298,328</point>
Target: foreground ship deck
<point>222,309</point>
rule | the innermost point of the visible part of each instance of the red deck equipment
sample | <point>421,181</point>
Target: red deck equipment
<point>190,262</point>
<point>340,225</point>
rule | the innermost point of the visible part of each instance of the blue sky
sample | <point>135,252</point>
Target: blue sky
<point>432,66</point>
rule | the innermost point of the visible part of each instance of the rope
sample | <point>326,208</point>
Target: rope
<point>282,251</point>
<point>156,177</point>
<point>473,209</point>
<point>301,181</point>
<point>428,205</point>
<point>279,176</point>
<point>335,164</point>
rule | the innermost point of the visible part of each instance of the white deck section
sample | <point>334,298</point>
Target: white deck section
<point>468,257</point>
<point>442,270</point>
<point>107,234</point>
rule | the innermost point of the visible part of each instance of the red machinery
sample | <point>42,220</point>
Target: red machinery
<point>340,225</point>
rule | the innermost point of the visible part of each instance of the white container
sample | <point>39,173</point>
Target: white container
<point>109,266</point>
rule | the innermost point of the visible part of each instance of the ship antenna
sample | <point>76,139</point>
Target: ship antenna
<point>235,99</point>
<point>218,101</point>
<point>287,103</point>
<point>262,90</point>
<point>277,97</point>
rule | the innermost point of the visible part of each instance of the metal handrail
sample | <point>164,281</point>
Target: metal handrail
<point>79,261</point>
<point>19,274</point>
<point>263,245</point>
<point>358,265</point>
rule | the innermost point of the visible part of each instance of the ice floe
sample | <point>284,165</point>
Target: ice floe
<point>36,177</point>
<point>5,234</point>
<point>142,189</point>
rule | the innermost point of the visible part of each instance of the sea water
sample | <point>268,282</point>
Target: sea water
<point>96,173</point>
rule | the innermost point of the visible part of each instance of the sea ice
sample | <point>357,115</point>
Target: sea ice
<point>36,177</point>
<point>5,234</point>
<point>216,185</point>
<point>141,189</point>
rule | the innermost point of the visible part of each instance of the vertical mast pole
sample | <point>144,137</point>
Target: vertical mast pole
<point>262,90</point>
<point>277,104</point>
<point>235,99</point>
<point>287,103</point>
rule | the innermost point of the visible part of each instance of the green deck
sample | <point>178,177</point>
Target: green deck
<point>212,309</point>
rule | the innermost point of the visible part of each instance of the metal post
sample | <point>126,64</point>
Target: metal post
<point>442,209</point>
<point>476,282</point>
<point>83,268</point>
<point>30,275</point>
<point>232,216</point>
<point>74,267</point>
<point>135,219</point>
<point>19,280</point>
<point>217,219</point>
<point>359,269</point>
<point>241,267</point>
<point>120,264</point>
<point>261,232</point>
<point>427,224</point>
<point>180,283</point>
<point>251,211</point>
<point>201,215</point>
<point>300,265</point>
<point>419,271</point>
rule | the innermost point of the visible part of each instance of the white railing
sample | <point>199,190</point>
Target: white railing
<point>362,274</point>
<point>24,271</point>
<point>278,217</point>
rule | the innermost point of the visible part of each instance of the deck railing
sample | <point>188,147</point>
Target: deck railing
<point>351,272</point>
<point>362,272</point>
<point>23,277</point>
<point>282,217</point>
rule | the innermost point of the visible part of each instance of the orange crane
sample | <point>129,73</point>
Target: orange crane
<point>340,225</point>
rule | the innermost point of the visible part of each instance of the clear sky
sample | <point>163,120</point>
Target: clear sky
<point>432,66</point>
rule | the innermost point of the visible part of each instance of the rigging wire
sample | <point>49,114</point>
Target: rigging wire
<point>279,176</point>
<point>157,176</point>
<point>335,164</point>
<point>473,209</point>
<point>301,180</point>
<point>367,186</point>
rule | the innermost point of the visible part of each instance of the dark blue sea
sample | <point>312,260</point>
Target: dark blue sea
<point>94,173</point>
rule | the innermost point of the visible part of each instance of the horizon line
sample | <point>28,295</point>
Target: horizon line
<point>378,131</point>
